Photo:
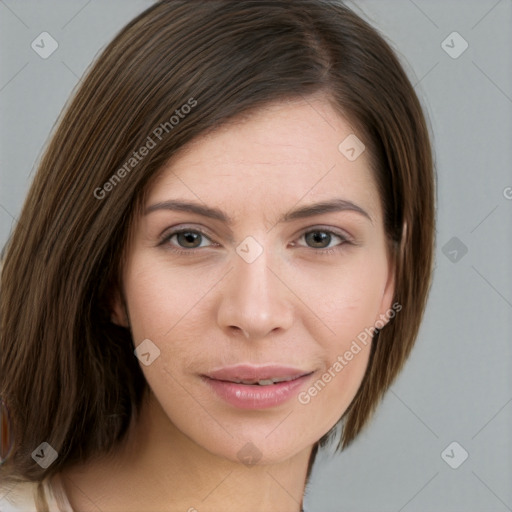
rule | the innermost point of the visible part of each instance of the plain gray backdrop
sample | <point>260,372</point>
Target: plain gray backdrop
<point>441,440</point>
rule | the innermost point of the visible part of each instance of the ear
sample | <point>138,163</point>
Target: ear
<point>119,311</point>
<point>388,294</point>
<point>389,289</point>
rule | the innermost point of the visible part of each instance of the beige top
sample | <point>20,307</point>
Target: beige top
<point>21,497</point>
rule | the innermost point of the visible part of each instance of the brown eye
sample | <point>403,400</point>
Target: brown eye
<point>189,239</point>
<point>185,238</point>
<point>325,240</point>
<point>318,239</point>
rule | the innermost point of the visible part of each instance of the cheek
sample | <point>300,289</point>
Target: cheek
<point>162,299</point>
<point>332,391</point>
<point>343,299</point>
<point>345,304</point>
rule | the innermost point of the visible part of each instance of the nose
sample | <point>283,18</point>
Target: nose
<point>254,301</point>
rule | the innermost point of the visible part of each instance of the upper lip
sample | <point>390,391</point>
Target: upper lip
<point>250,373</point>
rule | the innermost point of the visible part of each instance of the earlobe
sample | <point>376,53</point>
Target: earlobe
<point>388,295</point>
<point>388,308</point>
<point>119,312</point>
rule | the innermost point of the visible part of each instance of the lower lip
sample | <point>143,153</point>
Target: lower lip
<point>246,396</point>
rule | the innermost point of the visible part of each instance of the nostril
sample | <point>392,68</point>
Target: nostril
<point>237,330</point>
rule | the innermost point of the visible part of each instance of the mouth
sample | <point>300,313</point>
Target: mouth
<point>263,382</point>
<point>251,387</point>
<point>257,375</point>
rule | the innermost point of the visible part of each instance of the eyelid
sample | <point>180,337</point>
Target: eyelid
<point>179,228</point>
<point>344,235</point>
<point>345,238</point>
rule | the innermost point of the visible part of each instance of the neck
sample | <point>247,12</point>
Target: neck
<point>158,465</point>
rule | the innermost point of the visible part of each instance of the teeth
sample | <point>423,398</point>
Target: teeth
<point>264,382</point>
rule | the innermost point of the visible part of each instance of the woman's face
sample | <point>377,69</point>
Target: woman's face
<point>261,256</point>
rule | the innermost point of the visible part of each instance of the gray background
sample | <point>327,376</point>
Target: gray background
<point>457,385</point>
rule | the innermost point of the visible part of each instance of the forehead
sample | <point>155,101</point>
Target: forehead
<point>271,160</point>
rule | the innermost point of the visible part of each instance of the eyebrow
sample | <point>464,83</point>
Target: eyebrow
<point>334,205</point>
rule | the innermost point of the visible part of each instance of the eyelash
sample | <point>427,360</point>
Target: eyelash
<point>322,252</point>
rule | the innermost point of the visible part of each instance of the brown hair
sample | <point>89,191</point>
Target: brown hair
<point>68,375</point>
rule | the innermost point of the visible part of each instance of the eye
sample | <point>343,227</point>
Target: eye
<point>323,239</point>
<point>188,239</point>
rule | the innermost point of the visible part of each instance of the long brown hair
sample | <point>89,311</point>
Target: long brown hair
<point>68,375</point>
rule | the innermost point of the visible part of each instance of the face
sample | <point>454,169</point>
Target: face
<point>260,259</point>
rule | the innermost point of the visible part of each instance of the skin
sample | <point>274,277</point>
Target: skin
<point>206,308</point>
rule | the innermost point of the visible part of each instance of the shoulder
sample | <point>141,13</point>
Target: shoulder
<point>18,497</point>
<point>21,497</point>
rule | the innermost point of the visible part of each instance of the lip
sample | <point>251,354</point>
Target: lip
<point>255,396</point>
<point>250,372</point>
